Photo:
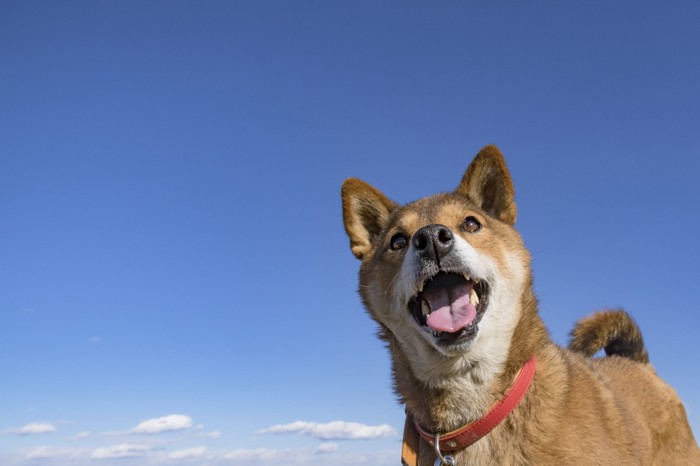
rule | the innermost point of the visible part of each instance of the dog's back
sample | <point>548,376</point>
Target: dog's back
<point>642,406</point>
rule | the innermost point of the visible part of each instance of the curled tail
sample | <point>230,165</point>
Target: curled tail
<point>613,330</point>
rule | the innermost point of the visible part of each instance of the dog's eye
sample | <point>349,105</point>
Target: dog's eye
<point>471,225</point>
<point>398,241</point>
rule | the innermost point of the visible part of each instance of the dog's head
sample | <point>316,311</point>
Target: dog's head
<point>443,275</point>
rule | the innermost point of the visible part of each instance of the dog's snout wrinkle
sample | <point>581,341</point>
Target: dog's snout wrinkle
<point>433,242</point>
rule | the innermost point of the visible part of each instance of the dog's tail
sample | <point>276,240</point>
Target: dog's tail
<point>613,330</point>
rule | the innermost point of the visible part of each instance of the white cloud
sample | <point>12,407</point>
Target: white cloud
<point>145,454</point>
<point>46,452</point>
<point>260,454</point>
<point>122,450</point>
<point>94,339</point>
<point>303,457</point>
<point>196,452</point>
<point>201,433</point>
<point>326,448</point>
<point>336,430</point>
<point>42,452</point>
<point>30,429</point>
<point>163,424</point>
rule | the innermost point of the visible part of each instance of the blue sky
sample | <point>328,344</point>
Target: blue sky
<point>175,283</point>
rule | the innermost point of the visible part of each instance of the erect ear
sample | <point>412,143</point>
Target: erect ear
<point>365,214</point>
<point>487,183</point>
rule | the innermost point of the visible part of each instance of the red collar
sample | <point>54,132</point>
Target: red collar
<point>464,436</point>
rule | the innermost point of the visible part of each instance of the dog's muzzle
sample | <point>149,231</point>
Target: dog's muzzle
<point>450,303</point>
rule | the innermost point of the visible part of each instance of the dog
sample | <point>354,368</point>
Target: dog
<point>448,280</point>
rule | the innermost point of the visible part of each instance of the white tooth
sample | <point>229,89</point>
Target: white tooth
<point>473,297</point>
<point>467,277</point>
<point>420,286</point>
<point>425,307</point>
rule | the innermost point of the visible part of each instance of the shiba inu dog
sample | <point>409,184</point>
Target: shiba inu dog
<point>448,280</point>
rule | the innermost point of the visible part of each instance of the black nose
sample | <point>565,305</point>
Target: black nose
<point>433,242</point>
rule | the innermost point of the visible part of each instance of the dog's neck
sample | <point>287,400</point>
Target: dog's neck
<point>466,395</point>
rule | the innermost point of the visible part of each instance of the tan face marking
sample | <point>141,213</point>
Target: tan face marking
<point>407,223</point>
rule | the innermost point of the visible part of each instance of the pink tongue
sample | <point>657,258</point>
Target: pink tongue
<point>451,309</point>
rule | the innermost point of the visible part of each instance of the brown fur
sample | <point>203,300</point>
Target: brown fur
<point>607,411</point>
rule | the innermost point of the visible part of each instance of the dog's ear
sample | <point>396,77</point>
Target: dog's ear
<point>365,214</point>
<point>487,182</point>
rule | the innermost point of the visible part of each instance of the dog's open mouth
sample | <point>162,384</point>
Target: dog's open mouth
<point>451,306</point>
